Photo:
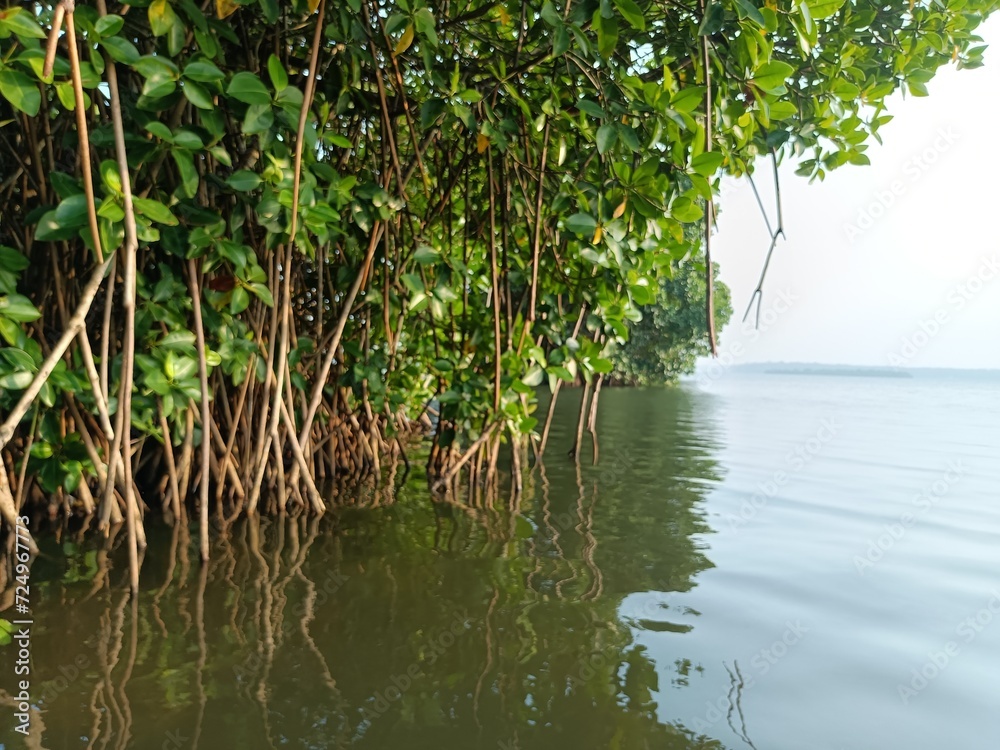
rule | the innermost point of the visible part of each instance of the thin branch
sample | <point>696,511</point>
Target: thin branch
<point>779,231</point>
<point>709,203</point>
<point>75,325</point>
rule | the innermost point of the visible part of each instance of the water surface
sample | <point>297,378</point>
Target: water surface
<point>757,561</point>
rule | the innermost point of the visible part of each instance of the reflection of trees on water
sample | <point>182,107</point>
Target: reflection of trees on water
<point>399,622</point>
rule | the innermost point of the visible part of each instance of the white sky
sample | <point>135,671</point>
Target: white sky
<point>858,300</point>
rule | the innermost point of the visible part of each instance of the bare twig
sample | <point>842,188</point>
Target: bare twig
<point>206,415</point>
<point>779,231</point>
<point>75,324</point>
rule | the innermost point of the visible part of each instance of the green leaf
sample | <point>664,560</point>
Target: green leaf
<point>111,177</point>
<point>582,223</point>
<point>247,88</point>
<point>426,255</point>
<point>823,8</point>
<point>270,8</point>
<point>747,9</point>
<point>160,130</point>
<point>154,211</point>
<point>550,15</point>
<point>771,76</point>
<point>203,71</point>
<point>607,134</point>
<point>262,292</point>
<point>189,139</point>
<point>190,179</point>
<point>628,137</point>
<point>9,330</point>
<point>64,185</point>
<point>259,118</point>
<point>424,22</point>
<point>534,376</point>
<point>413,282</point>
<point>12,260</point>
<point>49,229</point>
<point>198,95</point>
<point>560,41</point>
<point>17,381</point>
<point>159,83</point>
<point>111,210</point>
<point>18,358</point>
<point>688,99</point>
<point>18,307</point>
<point>20,22</point>
<point>706,164</point>
<point>244,181</point>
<point>177,340</point>
<point>20,91</point>
<point>591,108</point>
<point>121,50</point>
<point>715,16</point>
<point>631,13</point>
<point>845,90</point>
<point>109,25</point>
<point>161,17</point>
<point>607,33</point>
<point>279,78</point>
<point>686,210</point>
<point>240,301</point>
<point>601,365</point>
<point>562,373</point>
<point>148,65</point>
<point>783,111</point>
<point>72,211</point>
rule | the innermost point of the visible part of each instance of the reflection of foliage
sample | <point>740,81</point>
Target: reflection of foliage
<point>81,564</point>
<point>312,627</point>
<point>671,335</point>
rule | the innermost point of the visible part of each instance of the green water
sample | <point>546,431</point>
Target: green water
<point>699,588</point>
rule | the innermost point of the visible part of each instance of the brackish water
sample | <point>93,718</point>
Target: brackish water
<point>772,562</point>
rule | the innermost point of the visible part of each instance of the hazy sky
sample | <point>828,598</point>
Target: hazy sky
<point>918,279</point>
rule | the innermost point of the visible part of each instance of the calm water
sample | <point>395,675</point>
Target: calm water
<point>773,562</point>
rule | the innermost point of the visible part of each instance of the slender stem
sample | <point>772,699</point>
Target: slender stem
<point>206,416</point>
<point>74,326</point>
<point>128,304</point>
<point>82,132</point>
<point>709,203</point>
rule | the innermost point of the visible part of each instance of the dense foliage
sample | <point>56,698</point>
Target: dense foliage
<point>667,342</point>
<point>333,215</point>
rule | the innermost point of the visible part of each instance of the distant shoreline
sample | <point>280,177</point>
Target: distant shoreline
<point>856,373</point>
